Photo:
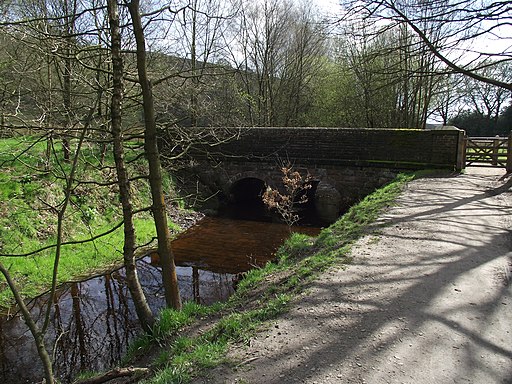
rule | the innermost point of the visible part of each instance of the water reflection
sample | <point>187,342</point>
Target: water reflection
<point>231,246</point>
<point>93,321</point>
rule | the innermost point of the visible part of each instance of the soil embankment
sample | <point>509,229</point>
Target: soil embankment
<point>427,298</point>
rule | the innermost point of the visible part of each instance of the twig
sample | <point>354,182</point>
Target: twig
<point>115,374</point>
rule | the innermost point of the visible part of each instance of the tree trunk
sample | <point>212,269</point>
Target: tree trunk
<point>141,306</point>
<point>37,334</point>
<point>66,78</point>
<point>193,63</point>
<point>170,280</point>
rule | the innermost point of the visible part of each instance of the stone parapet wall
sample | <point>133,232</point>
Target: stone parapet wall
<point>395,148</point>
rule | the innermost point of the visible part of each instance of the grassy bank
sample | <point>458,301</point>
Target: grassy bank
<point>264,293</point>
<point>32,191</point>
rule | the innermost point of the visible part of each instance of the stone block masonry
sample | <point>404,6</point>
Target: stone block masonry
<point>396,148</point>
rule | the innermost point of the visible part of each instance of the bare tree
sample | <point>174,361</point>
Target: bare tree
<point>446,99</point>
<point>395,73</point>
<point>38,331</point>
<point>201,27</point>
<point>277,47</point>
<point>170,280</point>
<point>141,306</point>
<point>76,131</point>
<point>475,35</point>
<point>302,60</point>
<point>292,194</point>
<point>485,98</point>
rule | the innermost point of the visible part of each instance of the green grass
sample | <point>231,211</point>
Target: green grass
<point>266,292</point>
<point>30,195</point>
<point>34,273</point>
<point>169,323</point>
<point>185,356</point>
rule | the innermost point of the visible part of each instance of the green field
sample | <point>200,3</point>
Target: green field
<point>31,193</point>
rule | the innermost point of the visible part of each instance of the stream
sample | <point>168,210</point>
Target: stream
<point>93,321</point>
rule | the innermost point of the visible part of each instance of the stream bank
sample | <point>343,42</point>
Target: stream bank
<point>93,321</point>
<point>294,273</point>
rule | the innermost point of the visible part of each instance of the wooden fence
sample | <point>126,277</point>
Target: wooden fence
<point>489,151</point>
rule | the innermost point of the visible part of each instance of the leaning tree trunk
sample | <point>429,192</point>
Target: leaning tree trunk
<point>34,329</point>
<point>141,306</point>
<point>170,280</point>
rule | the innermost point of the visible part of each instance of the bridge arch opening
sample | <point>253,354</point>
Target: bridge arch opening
<point>245,200</point>
<point>248,191</point>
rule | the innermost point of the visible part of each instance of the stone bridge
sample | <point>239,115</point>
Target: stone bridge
<point>344,164</point>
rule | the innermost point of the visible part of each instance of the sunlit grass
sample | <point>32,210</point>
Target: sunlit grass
<point>34,273</point>
<point>185,356</point>
<point>170,322</point>
<point>31,194</point>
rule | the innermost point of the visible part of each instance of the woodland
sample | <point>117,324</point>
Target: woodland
<point>89,89</point>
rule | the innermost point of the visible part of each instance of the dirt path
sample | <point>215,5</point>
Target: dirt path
<point>427,299</point>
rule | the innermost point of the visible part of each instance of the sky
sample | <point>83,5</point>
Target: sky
<point>329,7</point>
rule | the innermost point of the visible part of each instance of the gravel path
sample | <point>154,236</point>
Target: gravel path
<point>427,299</point>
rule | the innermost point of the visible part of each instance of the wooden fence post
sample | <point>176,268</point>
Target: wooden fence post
<point>461,151</point>
<point>509,153</point>
<point>495,150</point>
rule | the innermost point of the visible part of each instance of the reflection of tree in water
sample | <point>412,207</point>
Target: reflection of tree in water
<point>196,282</point>
<point>98,326</point>
<point>75,332</point>
<point>208,287</point>
<point>93,321</point>
<point>112,322</point>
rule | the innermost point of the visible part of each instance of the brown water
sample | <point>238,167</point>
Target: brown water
<point>94,320</point>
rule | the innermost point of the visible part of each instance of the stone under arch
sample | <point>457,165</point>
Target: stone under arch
<point>327,201</point>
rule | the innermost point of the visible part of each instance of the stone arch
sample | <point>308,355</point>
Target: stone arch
<point>261,172</point>
<point>245,200</point>
<point>247,190</point>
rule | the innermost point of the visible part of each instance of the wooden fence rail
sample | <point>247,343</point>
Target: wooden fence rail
<point>489,151</point>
